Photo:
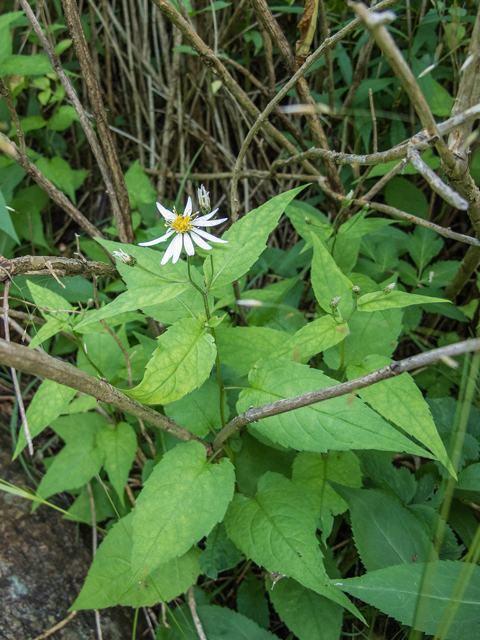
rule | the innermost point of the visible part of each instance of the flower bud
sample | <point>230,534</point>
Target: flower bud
<point>308,221</point>
<point>126,258</point>
<point>389,288</point>
<point>356,290</point>
<point>334,302</point>
<point>204,200</point>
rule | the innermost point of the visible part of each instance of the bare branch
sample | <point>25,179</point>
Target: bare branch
<point>307,399</point>
<point>62,267</point>
<point>124,220</point>
<point>444,190</point>
<point>46,367</point>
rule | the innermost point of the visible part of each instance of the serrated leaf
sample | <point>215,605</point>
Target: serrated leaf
<point>148,282</point>
<point>276,529</point>
<point>247,239</point>
<point>199,411</point>
<point>401,401</point>
<point>182,500</point>
<point>50,328</point>
<point>328,281</point>
<point>182,362</point>
<point>308,221</point>
<point>307,614</point>
<point>313,471</point>
<point>395,591</point>
<point>386,533</point>
<point>378,300</point>
<point>49,402</point>
<point>119,443</point>
<point>26,65</point>
<point>109,580</point>
<point>335,424</point>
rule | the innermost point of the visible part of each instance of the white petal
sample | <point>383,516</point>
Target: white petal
<point>201,243</point>
<point>208,236</point>
<point>187,241</point>
<point>177,247</point>
<point>207,223</point>
<point>188,208</point>
<point>169,251</point>
<point>162,239</point>
<point>168,215</point>
<point>208,215</point>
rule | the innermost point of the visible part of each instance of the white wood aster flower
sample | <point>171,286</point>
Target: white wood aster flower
<point>185,228</point>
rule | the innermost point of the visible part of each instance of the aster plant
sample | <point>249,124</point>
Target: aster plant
<point>185,228</point>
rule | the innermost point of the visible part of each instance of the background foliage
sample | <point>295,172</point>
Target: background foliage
<point>374,494</point>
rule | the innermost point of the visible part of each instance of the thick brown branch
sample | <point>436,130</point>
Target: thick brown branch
<point>307,399</point>
<point>124,220</point>
<point>62,267</point>
<point>46,367</point>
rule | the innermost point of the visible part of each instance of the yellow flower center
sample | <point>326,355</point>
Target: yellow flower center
<point>182,224</point>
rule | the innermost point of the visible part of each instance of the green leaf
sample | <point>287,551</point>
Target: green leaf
<point>63,118</point>
<point>49,302</point>
<point>412,199</point>
<point>27,65</point>
<point>252,602</point>
<point>182,362</point>
<point>81,404</point>
<point>247,239</point>
<point>241,347</point>
<point>469,478</point>
<point>395,591</point>
<point>276,529</point>
<point>313,471</point>
<point>109,579</point>
<point>423,246</point>
<point>359,225</point>
<point>307,614</point>
<point>401,401</point>
<point>308,221</point>
<point>102,350</point>
<point>148,283</point>
<point>375,332</point>
<point>386,533</point>
<point>199,411</point>
<point>138,186</point>
<point>313,338</point>
<point>188,304</point>
<point>52,327</point>
<point>328,281</point>
<point>219,623</point>
<point>6,221</point>
<point>442,102</point>
<point>8,18</point>
<point>119,445</point>
<point>82,507</point>
<point>28,204</point>
<point>74,466</point>
<point>182,500</point>
<point>337,424</point>
<point>220,553</point>
<point>62,175</point>
<point>50,401</point>
<point>378,300</point>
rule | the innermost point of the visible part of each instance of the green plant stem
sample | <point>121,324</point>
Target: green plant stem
<point>204,294</point>
<point>447,492</point>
